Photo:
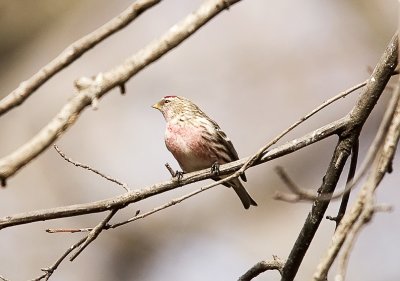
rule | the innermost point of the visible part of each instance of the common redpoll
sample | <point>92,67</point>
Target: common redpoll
<point>197,142</point>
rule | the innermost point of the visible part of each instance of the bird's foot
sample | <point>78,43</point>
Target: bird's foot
<point>215,168</point>
<point>176,175</point>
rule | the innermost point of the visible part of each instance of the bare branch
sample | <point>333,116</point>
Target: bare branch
<point>305,195</point>
<point>346,194</point>
<point>82,244</point>
<point>50,270</point>
<point>3,278</point>
<point>364,208</point>
<point>358,115</point>
<point>73,52</point>
<point>104,82</point>
<point>262,266</point>
<point>261,152</point>
<point>68,230</point>
<point>87,167</point>
<point>298,193</point>
<point>137,215</point>
<point>93,234</point>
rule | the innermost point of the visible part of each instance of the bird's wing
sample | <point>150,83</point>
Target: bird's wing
<point>228,144</point>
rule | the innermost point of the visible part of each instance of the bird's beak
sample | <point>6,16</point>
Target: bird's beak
<point>157,106</point>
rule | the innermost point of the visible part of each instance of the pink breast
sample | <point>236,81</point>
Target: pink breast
<point>188,147</point>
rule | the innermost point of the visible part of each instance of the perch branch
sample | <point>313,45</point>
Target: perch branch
<point>136,195</point>
<point>137,216</point>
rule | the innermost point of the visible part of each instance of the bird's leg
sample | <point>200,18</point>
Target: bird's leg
<point>215,168</point>
<point>175,174</point>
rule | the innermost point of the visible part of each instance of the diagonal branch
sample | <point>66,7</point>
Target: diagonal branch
<point>92,91</point>
<point>364,207</point>
<point>94,233</point>
<point>73,52</point>
<point>48,271</point>
<point>358,115</point>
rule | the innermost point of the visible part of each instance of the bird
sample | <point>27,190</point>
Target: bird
<point>197,142</point>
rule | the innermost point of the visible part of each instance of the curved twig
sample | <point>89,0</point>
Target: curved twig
<point>262,266</point>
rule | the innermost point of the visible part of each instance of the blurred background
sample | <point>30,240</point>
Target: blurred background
<point>255,69</point>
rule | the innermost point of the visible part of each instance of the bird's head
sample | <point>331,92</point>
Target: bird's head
<point>175,107</point>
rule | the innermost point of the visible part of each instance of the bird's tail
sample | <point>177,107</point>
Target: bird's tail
<point>244,196</point>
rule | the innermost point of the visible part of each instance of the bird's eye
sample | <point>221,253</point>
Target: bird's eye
<point>166,101</point>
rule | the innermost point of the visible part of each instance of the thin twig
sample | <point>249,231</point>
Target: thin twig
<point>346,194</point>
<point>87,167</point>
<point>261,152</point>
<point>50,270</point>
<point>93,234</point>
<point>170,170</point>
<point>301,194</point>
<point>68,230</point>
<point>159,208</point>
<point>298,193</point>
<point>137,215</point>
<point>262,266</point>
<point>73,52</point>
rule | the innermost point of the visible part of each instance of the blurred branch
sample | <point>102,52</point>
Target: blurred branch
<point>262,266</point>
<point>3,278</point>
<point>91,90</point>
<point>73,52</point>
